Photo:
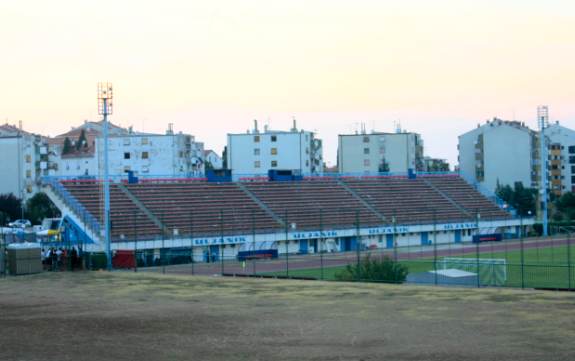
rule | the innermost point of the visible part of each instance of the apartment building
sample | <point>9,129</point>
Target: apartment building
<point>378,152</point>
<point>23,161</point>
<point>255,152</point>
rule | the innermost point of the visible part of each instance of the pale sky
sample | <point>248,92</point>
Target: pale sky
<point>211,67</point>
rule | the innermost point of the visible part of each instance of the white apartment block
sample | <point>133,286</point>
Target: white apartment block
<point>561,145</point>
<point>156,156</point>
<point>499,152</point>
<point>378,152</point>
<point>254,153</point>
<point>23,161</point>
<point>147,155</point>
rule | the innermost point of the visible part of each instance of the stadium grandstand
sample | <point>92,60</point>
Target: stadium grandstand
<point>289,215</point>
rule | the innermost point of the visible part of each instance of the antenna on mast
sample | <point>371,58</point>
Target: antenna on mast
<point>543,122</point>
<point>105,108</point>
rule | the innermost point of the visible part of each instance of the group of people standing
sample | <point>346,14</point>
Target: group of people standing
<point>60,259</point>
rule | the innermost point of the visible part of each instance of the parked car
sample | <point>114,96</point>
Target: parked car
<point>20,223</point>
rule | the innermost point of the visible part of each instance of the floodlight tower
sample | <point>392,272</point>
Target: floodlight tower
<point>105,107</point>
<point>543,122</point>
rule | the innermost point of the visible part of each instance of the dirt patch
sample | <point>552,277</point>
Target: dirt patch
<point>144,316</point>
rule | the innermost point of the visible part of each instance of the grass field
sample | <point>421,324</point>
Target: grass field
<point>543,267</point>
<point>144,316</point>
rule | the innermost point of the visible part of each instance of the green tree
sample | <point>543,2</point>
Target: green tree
<point>208,165</point>
<point>225,158</point>
<point>10,208</point>
<point>524,200</point>
<point>383,167</point>
<point>67,146</point>
<point>39,207</point>
<point>566,206</point>
<point>374,269</point>
<point>82,141</point>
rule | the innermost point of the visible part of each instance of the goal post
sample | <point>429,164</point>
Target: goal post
<point>492,271</point>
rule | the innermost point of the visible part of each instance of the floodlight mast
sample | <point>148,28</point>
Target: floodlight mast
<point>105,107</point>
<point>543,122</point>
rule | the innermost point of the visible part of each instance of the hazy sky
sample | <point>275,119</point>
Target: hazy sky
<point>211,67</point>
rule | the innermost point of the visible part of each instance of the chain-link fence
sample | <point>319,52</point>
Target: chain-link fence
<point>445,254</point>
<point>342,244</point>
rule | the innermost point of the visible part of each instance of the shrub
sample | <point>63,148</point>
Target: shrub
<point>374,269</point>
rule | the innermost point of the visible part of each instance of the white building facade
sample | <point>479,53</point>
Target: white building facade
<point>23,161</point>
<point>213,159</point>
<point>378,152</point>
<point>561,145</point>
<point>500,152</point>
<point>170,155</point>
<point>255,153</point>
<point>147,155</point>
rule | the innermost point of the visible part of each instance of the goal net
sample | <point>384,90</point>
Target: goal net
<point>491,272</point>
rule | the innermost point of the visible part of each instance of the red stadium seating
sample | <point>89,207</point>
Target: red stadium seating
<point>196,207</point>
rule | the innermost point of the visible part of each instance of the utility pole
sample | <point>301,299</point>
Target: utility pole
<point>543,122</point>
<point>105,107</point>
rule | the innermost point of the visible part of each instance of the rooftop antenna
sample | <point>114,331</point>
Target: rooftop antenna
<point>294,128</point>
<point>397,124</point>
<point>256,126</point>
<point>543,122</point>
<point>105,107</point>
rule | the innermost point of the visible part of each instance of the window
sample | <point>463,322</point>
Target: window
<point>274,151</point>
<point>126,141</point>
<point>127,155</point>
<point>28,158</point>
<point>127,168</point>
<point>257,164</point>
<point>144,141</point>
<point>274,138</point>
<point>274,163</point>
<point>366,162</point>
<point>256,138</point>
<point>366,139</point>
<point>307,163</point>
<point>572,159</point>
<point>145,155</point>
<point>573,169</point>
<point>365,150</point>
<point>257,151</point>
<point>572,149</point>
<point>28,174</point>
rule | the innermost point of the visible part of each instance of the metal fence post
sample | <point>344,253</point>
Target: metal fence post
<point>253,253</point>
<point>222,241</point>
<point>163,250</point>
<point>287,242</point>
<point>435,245</point>
<point>357,242</point>
<point>394,238</point>
<point>522,253</point>
<point>478,217</point>
<point>192,240</point>
<point>321,242</point>
<point>569,260</point>
<point>135,241</point>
